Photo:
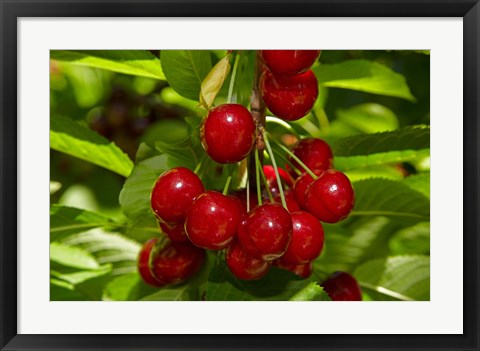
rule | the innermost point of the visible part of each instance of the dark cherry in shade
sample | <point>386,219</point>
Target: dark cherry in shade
<point>143,263</point>
<point>289,97</point>
<point>330,197</point>
<point>176,262</point>
<point>243,265</point>
<point>307,239</point>
<point>266,231</point>
<point>341,286</point>
<point>228,133</point>
<point>286,178</point>
<point>241,194</point>
<point>292,205</point>
<point>289,62</point>
<point>212,220</point>
<point>314,153</point>
<point>302,270</point>
<point>301,185</point>
<point>173,192</point>
<point>175,231</point>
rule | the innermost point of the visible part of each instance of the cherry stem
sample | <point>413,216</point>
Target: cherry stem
<point>199,165</point>
<point>275,168</point>
<point>257,177</point>
<point>292,155</point>
<point>282,123</point>
<point>232,78</point>
<point>227,184</point>
<point>269,192</point>
<point>287,161</point>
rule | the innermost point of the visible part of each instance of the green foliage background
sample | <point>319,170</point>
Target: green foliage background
<point>120,118</point>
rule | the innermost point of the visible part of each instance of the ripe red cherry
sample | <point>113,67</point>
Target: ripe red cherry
<point>314,153</point>
<point>228,133</point>
<point>330,197</point>
<point>266,231</point>
<point>243,265</point>
<point>269,172</point>
<point>292,205</point>
<point>173,192</point>
<point>300,187</point>
<point>212,220</point>
<point>175,231</point>
<point>307,239</point>
<point>289,62</point>
<point>302,270</point>
<point>341,286</point>
<point>143,263</point>
<point>176,262</point>
<point>289,97</point>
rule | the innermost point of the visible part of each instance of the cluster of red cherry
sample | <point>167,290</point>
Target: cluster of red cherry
<point>255,235</point>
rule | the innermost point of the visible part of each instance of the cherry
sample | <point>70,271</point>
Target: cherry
<point>302,270</point>
<point>176,262</point>
<point>292,205</point>
<point>307,239</point>
<point>241,194</point>
<point>266,231</point>
<point>174,231</point>
<point>228,133</point>
<point>212,220</point>
<point>289,97</point>
<point>314,153</point>
<point>330,197</point>
<point>173,192</point>
<point>269,172</point>
<point>341,286</point>
<point>289,62</point>
<point>300,187</point>
<point>243,265</point>
<point>143,263</point>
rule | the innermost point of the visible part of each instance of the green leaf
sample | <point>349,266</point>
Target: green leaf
<point>382,197</point>
<point>277,285</point>
<point>182,293</point>
<point>363,75</point>
<point>65,221</point>
<point>185,70</point>
<point>419,182</point>
<point>348,246</point>
<point>379,159</point>
<point>367,118</point>
<point>135,195</point>
<point>133,62</point>
<point>128,287</point>
<point>213,82</point>
<point>108,248</point>
<point>396,278</point>
<point>411,240</point>
<point>73,139</point>
<point>78,277</point>
<point>72,256</point>
<point>409,138</point>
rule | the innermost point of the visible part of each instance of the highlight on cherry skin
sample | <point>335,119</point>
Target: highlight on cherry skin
<point>228,133</point>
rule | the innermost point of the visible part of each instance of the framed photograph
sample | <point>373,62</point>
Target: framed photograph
<point>246,175</point>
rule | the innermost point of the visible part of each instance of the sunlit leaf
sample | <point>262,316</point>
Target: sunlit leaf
<point>411,240</point>
<point>363,75</point>
<point>133,62</point>
<point>396,278</point>
<point>213,82</point>
<point>73,139</point>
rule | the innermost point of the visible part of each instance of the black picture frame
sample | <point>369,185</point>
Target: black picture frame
<point>11,10</point>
